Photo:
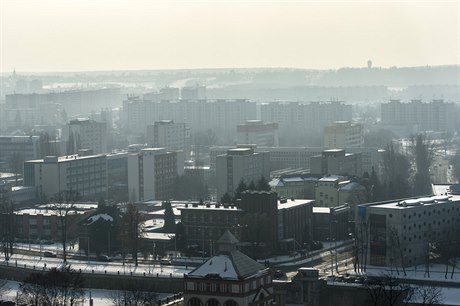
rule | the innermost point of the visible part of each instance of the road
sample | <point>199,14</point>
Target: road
<point>323,264</point>
<point>128,268</point>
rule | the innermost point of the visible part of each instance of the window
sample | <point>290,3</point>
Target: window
<point>212,302</point>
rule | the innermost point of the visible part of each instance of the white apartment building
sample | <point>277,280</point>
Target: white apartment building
<point>311,117</point>
<point>258,132</point>
<point>417,116</point>
<point>86,175</point>
<point>199,115</point>
<point>336,161</point>
<point>169,135</point>
<point>343,135</point>
<point>240,164</point>
<point>152,173</point>
<point>88,134</point>
<point>300,157</point>
<point>398,232</point>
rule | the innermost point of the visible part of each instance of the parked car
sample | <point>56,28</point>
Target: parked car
<point>49,254</point>
<point>104,258</point>
<point>166,262</point>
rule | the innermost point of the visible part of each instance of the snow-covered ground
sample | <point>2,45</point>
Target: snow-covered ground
<point>150,270</point>
<point>100,297</point>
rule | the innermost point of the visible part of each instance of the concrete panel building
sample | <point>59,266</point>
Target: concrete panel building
<point>240,164</point>
<point>86,134</point>
<point>152,173</point>
<point>258,132</point>
<point>343,135</point>
<point>169,135</point>
<point>86,175</point>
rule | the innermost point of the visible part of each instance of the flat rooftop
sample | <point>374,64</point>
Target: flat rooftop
<point>415,202</point>
<point>294,202</point>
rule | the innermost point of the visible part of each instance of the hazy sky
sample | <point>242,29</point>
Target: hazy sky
<point>71,35</point>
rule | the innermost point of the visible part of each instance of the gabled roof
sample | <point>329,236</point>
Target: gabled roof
<point>227,238</point>
<point>234,265</point>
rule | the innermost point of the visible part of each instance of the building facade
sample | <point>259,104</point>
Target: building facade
<point>205,223</point>
<point>169,135</point>
<point>337,162</point>
<point>343,134</point>
<point>86,134</point>
<point>417,116</point>
<point>258,132</point>
<point>398,232</point>
<point>229,279</point>
<point>240,164</point>
<point>86,175</point>
<point>152,173</point>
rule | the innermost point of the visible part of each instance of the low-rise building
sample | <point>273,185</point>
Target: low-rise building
<point>336,161</point>
<point>45,221</point>
<point>205,223</point>
<point>398,232</point>
<point>230,278</point>
<point>294,222</point>
<point>331,223</point>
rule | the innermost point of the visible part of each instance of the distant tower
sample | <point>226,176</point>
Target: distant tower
<point>369,64</point>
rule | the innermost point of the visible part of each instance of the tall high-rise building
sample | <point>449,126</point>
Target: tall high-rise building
<point>343,135</point>
<point>258,132</point>
<point>418,116</point>
<point>169,135</point>
<point>152,173</point>
<point>86,134</point>
<point>240,164</point>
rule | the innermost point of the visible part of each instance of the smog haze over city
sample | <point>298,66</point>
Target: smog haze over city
<point>229,152</point>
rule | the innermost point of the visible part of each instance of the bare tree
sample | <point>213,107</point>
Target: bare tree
<point>423,155</point>
<point>7,226</point>
<point>428,295</point>
<point>134,297</point>
<point>386,289</point>
<point>57,287</point>
<point>64,205</point>
<point>16,162</point>
<point>131,230</point>
<point>396,250</point>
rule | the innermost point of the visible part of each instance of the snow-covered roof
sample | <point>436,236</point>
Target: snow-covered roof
<point>352,186</point>
<point>232,266</point>
<point>94,218</point>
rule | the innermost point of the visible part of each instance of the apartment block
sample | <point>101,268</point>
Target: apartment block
<point>336,161</point>
<point>86,175</point>
<point>152,173</point>
<point>169,135</point>
<point>259,133</point>
<point>343,135</point>
<point>303,116</point>
<point>86,134</point>
<point>27,147</point>
<point>240,164</point>
<point>417,116</point>
<point>221,116</point>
